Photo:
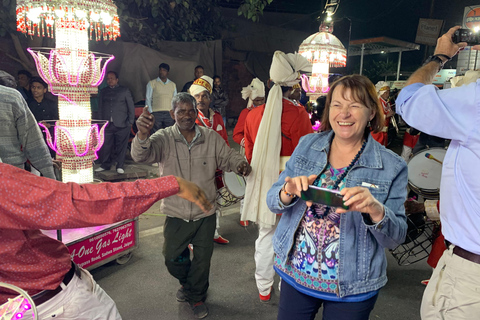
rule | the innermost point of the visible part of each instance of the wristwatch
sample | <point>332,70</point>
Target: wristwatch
<point>436,58</point>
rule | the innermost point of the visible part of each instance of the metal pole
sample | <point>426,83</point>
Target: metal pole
<point>361,58</point>
<point>476,55</point>
<point>399,63</point>
<point>386,76</point>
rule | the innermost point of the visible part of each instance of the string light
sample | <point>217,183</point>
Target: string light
<point>34,17</point>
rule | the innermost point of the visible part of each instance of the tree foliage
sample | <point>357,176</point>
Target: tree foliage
<point>374,69</point>
<point>7,17</point>
<point>253,9</point>
<point>150,21</point>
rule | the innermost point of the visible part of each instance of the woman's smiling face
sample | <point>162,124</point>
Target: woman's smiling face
<point>348,117</point>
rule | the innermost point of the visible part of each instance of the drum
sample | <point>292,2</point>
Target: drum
<point>424,174</point>
<point>421,234</point>
<point>232,191</point>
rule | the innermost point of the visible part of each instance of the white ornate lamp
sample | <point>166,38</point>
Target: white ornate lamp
<point>323,50</point>
<point>72,72</point>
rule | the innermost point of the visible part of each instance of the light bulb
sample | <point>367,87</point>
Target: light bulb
<point>59,13</point>
<point>95,16</point>
<point>106,18</point>
<point>80,14</point>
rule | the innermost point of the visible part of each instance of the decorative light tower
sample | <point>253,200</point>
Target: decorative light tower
<point>323,50</point>
<point>72,72</point>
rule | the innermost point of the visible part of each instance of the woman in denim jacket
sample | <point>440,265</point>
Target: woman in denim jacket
<point>331,256</point>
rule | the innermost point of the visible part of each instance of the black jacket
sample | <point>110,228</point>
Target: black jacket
<point>116,105</point>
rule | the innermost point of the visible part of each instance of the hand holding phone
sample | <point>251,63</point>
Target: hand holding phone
<point>331,198</point>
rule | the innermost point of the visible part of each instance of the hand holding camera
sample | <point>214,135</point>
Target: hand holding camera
<point>466,35</point>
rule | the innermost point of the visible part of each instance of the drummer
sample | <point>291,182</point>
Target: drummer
<point>383,92</point>
<point>255,94</point>
<point>201,90</point>
<point>287,130</point>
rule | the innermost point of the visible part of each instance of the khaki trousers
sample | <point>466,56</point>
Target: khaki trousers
<point>453,291</point>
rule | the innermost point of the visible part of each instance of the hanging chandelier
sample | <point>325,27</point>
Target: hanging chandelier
<point>324,51</point>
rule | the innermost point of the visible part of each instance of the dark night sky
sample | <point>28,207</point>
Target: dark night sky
<point>374,18</point>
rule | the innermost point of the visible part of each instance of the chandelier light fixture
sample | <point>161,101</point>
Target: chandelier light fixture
<point>72,72</point>
<point>324,51</point>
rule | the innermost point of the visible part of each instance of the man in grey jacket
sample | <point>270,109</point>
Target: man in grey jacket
<point>193,153</point>
<point>22,139</point>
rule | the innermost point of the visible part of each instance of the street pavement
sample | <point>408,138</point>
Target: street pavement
<point>143,288</point>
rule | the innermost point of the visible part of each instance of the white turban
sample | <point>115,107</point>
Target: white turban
<point>381,87</point>
<point>469,77</point>
<point>254,90</point>
<point>284,71</point>
<point>205,83</point>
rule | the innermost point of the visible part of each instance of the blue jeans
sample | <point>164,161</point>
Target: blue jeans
<point>296,305</point>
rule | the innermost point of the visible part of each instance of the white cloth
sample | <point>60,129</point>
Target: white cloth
<point>264,259</point>
<point>81,299</point>
<point>381,85</point>
<point>254,90</point>
<point>469,77</point>
<point>205,83</point>
<point>266,151</point>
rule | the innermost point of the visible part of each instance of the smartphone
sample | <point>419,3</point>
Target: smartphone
<point>331,198</point>
<point>466,35</point>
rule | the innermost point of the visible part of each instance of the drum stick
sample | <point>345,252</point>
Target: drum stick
<point>429,156</point>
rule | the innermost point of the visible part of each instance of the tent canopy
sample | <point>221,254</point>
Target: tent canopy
<point>380,45</point>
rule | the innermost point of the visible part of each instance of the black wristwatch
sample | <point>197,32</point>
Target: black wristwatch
<point>436,58</point>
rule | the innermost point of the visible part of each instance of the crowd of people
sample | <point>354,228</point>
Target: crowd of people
<point>327,256</point>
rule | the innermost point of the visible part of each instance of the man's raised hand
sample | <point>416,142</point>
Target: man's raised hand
<point>145,123</point>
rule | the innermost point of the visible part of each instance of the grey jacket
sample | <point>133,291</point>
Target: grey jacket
<point>197,164</point>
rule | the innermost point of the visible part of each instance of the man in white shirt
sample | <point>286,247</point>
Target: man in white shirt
<point>160,92</point>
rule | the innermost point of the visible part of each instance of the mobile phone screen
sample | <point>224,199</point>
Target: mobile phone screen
<point>324,196</point>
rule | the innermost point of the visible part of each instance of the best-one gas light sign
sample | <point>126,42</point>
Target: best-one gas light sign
<point>471,17</point>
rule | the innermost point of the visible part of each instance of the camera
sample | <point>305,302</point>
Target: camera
<point>466,35</point>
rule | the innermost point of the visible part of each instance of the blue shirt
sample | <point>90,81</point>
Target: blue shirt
<point>149,93</point>
<point>452,114</point>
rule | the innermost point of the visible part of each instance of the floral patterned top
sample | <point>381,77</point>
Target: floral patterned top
<point>312,265</point>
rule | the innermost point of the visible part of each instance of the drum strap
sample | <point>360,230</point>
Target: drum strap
<point>286,137</point>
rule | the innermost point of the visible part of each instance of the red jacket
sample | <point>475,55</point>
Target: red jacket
<point>295,124</point>
<point>239,131</point>
<point>217,124</point>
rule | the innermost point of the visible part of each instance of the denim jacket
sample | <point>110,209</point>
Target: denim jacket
<point>362,261</point>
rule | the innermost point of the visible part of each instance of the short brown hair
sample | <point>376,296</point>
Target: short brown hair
<point>363,91</point>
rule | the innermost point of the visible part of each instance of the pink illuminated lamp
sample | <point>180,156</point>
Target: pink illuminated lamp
<point>72,72</point>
